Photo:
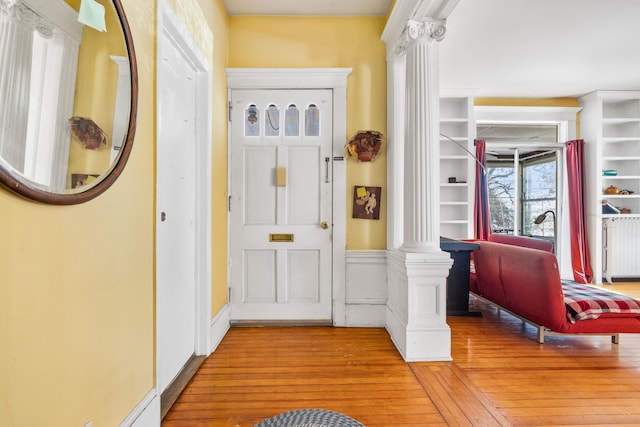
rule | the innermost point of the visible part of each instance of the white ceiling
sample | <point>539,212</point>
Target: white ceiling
<point>307,7</point>
<point>542,48</point>
<point>514,48</point>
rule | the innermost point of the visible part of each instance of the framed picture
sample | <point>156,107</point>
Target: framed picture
<point>366,202</point>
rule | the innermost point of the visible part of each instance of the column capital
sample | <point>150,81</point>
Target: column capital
<point>17,10</point>
<point>6,6</point>
<point>421,29</point>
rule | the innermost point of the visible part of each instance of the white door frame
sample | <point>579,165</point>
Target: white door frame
<point>312,78</point>
<point>169,24</point>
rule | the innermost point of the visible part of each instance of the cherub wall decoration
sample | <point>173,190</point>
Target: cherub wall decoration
<point>366,202</point>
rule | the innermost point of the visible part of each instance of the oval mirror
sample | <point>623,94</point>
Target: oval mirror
<point>68,97</point>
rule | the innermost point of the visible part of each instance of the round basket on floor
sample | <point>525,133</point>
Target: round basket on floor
<point>309,418</point>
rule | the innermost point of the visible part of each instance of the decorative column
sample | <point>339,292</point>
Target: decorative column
<point>17,26</point>
<point>396,74</point>
<point>422,127</point>
<point>417,271</point>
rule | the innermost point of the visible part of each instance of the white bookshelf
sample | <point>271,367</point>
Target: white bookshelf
<point>456,198</point>
<point>610,126</point>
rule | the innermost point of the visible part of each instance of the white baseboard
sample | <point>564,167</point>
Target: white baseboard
<point>146,413</point>
<point>366,315</point>
<point>219,327</point>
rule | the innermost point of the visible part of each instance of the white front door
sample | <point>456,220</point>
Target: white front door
<point>281,204</point>
<point>176,210</point>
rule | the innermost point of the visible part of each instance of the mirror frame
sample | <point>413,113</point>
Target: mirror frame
<point>23,188</point>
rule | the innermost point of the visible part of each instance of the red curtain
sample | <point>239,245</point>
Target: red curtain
<point>482,224</point>
<point>580,262</point>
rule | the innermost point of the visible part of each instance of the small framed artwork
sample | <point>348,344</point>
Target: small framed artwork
<point>366,202</point>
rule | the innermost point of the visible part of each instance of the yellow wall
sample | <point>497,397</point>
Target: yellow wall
<point>527,102</point>
<point>77,292</point>
<point>77,284</point>
<point>76,298</point>
<point>319,42</point>
<point>217,20</point>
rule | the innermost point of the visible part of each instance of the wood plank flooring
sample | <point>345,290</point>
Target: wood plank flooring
<point>499,376</point>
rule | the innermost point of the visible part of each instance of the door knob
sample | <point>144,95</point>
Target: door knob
<point>324,225</point>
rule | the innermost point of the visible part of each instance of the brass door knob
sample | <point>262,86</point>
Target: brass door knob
<point>324,225</point>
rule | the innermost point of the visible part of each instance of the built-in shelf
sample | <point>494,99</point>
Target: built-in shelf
<point>457,127</point>
<point>610,126</point>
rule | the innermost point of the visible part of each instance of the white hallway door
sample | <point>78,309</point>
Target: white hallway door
<point>176,210</point>
<point>281,205</point>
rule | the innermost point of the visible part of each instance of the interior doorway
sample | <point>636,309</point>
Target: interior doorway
<point>524,177</point>
<point>183,205</point>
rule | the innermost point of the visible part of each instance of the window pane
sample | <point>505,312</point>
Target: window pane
<point>312,121</point>
<point>272,121</point>
<point>539,196</point>
<point>252,122</point>
<point>292,121</point>
<point>502,197</point>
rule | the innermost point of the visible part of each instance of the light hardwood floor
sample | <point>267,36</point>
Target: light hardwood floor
<point>499,376</point>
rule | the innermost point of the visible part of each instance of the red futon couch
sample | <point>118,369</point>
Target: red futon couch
<point>526,283</point>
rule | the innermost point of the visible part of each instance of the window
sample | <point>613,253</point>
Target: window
<point>312,121</point>
<point>272,121</point>
<point>522,177</point>
<point>292,121</point>
<point>502,195</point>
<point>252,121</point>
<point>539,186</point>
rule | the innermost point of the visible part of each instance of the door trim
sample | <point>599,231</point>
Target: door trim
<point>170,24</point>
<point>312,78</point>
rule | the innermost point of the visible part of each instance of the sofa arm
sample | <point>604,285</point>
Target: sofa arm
<point>523,280</point>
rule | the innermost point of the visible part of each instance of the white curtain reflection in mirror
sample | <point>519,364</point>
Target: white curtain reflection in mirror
<point>38,62</point>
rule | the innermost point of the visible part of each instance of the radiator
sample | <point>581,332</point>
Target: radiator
<point>621,247</point>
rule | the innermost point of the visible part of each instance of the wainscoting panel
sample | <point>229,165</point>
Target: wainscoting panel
<point>366,288</point>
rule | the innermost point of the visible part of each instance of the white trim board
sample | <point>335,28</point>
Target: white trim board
<point>146,413</point>
<point>219,327</point>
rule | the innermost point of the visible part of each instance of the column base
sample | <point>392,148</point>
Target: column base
<point>416,310</point>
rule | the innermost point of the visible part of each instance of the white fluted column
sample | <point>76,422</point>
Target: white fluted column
<point>17,26</point>
<point>421,158</point>
<point>396,76</point>
<point>417,272</point>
